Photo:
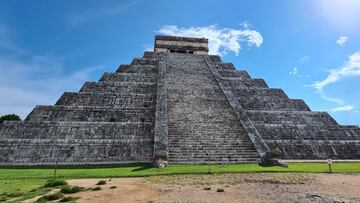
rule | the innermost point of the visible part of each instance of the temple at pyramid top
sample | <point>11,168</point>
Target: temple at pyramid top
<point>188,45</point>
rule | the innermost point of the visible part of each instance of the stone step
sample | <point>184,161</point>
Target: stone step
<point>194,131</point>
<point>107,99</point>
<point>317,149</point>
<point>307,132</point>
<point>130,77</point>
<point>205,156</point>
<point>91,113</point>
<point>145,69</point>
<point>200,118</point>
<point>207,152</point>
<point>196,95</point>
<point>290,117</point>
<point>207,134</point>
<point>33,151</point>
<point>77,130</point>
<point>250,92</point>
<point>228,74</point>
<point>184,145</point>
<point>145,61</point>
<point>120,87</point>
<point>244,83</point>
<point>225,66</point>
<point>272,103</point>
<point>149,55</point>
<point>215,58</point>
<point>192,161</point>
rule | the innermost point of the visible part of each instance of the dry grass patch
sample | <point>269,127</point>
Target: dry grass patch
<point>233,178</point>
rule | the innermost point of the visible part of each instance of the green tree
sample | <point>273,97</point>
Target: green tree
<point>10,117</point>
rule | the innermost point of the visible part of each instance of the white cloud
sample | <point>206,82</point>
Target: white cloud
<point>330,99</point>
<point>25,83</point>
<point>5,41</point>
<point>148,47</point>
<point>88,15</point>
<point>350,68</point>
<point>304,59</point>
<point>294,71</point>
<point>342,40</point>
<point>221,40</point>
<point>343,108</point>
<point>343,14</point>
<point>28,79</point>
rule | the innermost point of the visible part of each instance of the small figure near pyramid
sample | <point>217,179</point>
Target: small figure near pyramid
<point>176,104</point>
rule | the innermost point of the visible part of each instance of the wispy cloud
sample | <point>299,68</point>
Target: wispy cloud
<point>342,40</point>
<point>6,43</point>
<point>294,71</point>
<point>221,40</point>
<point>350,68</point>
<point>304,59</point>
<point>148,47</point>
<point>28,79</point>
<point>330,99</point>
<point>88,15</point>
<point>343,108</point>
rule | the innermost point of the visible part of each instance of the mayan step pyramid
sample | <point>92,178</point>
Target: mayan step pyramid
<point>181,102</point>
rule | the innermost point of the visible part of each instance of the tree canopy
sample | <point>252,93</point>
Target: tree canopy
<point>10,117</point>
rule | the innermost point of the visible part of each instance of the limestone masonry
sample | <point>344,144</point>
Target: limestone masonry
<point>180,103</point>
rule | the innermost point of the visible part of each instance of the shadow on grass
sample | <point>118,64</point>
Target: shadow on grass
<point>142,168</point>
<point>78,166</point>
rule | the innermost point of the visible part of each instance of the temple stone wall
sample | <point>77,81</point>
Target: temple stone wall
<point>110,121</point>
<point>289,124</point>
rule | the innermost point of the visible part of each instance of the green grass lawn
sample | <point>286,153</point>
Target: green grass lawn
<point>25,179</point>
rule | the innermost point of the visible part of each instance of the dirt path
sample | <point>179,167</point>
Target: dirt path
<point>253,188</point>
<point>127,190</point>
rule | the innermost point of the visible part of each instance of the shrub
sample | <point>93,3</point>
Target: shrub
<point>113,187</point>
<point>33,190</point>
<point>96,188</point>
<point>101,182</point>
<point>51,197</point>
<point>10,117</point>
<point>207,188</point>
<point>71,190</point>
<point>54,183</point>
<point>15,194</point>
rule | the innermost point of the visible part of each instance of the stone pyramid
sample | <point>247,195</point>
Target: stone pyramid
<point>179,102</point>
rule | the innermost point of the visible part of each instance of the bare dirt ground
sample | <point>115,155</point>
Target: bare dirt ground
<point>267,187</point>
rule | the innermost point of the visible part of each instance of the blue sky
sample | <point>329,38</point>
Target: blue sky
<point>309,48</point>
